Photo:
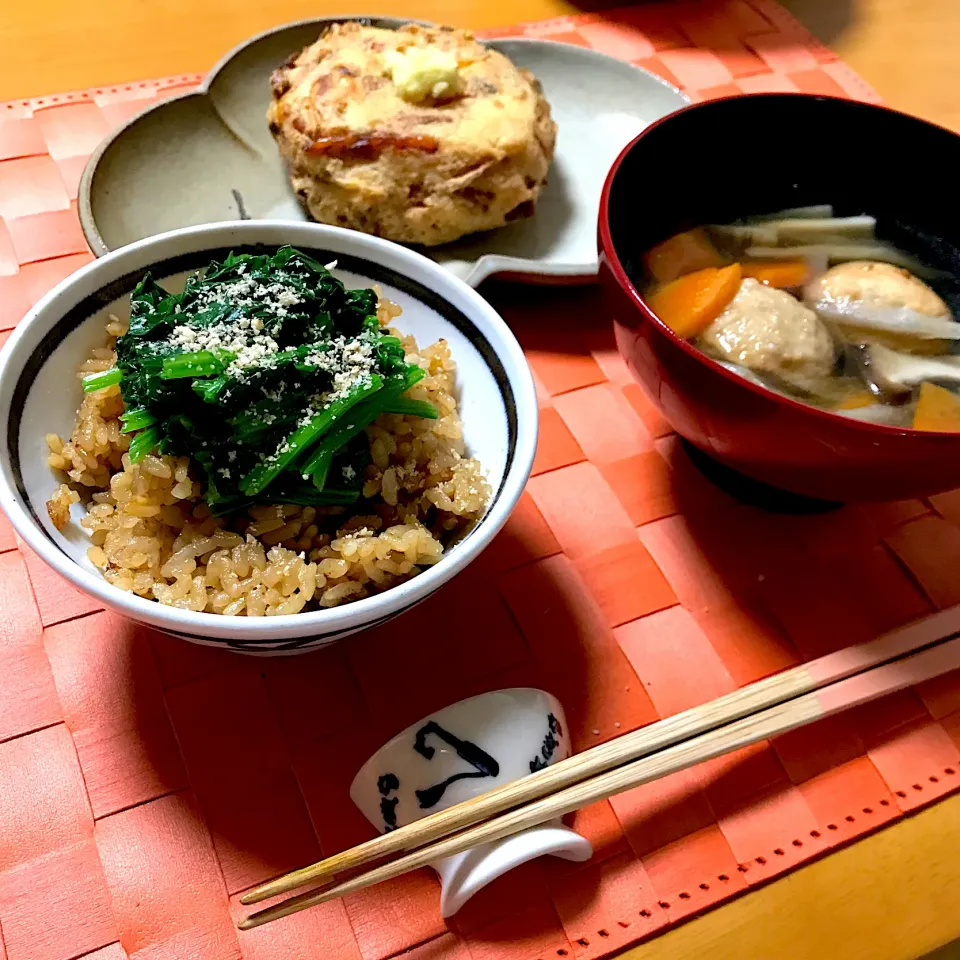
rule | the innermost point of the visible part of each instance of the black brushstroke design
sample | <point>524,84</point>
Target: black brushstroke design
<point>549,746</point>
<point>484,765</point>
<point>388,810</point>
<point>388,783</point>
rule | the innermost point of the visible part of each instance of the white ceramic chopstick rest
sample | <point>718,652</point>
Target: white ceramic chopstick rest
<point>458,753</point>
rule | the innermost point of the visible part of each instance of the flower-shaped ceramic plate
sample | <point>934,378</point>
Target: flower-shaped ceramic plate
<point>207,156</point>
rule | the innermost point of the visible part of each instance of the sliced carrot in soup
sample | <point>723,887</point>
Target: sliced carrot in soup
<point>680,254</point>
<point>857,401</point>
<point>937,410</point>
<point>689,304</point>
<point>777,273</point>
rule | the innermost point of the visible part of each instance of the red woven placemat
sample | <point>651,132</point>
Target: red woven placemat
<point>145,782</point>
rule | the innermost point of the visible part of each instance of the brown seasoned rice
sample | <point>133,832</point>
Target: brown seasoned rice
<point>153,535</point>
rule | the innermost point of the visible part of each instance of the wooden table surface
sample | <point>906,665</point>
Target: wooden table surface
<point>892,896</point>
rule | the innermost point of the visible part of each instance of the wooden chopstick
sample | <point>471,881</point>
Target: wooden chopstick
<point>854,687</point>
<point>630,746</point>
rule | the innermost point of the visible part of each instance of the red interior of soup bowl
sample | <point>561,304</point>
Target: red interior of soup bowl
<point>725,159</point>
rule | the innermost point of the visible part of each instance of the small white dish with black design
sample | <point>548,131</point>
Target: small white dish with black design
<point>456,754</point>
<point>207,155</point>
<point>40,394</point>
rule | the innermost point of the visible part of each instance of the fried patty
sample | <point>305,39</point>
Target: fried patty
<point>465,156</point>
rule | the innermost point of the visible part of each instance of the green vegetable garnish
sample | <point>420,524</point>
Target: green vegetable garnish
<point>97,381</point>
<point>301,439</point>
<point>319,468</point>
<point>134,420</point>
<point>265,372</point>
<point>413,408</point>
<point>203,363</point>
<point>144,442</point>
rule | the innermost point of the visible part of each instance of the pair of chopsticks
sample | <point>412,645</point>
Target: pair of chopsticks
<point>785,701</point>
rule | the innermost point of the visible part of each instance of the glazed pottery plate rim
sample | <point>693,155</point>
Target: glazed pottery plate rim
<point>610,251</point>
<point>55,305</point>
<point>85,191</point>
<point>491,263</point>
